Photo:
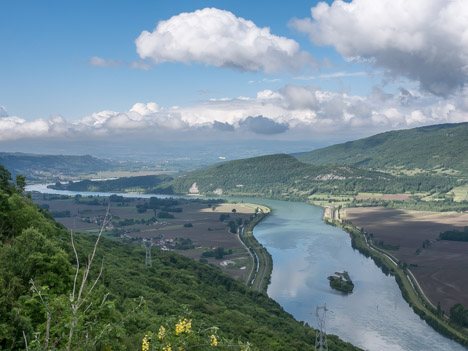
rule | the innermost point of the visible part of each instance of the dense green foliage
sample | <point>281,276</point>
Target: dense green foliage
<point>284,177</point>
<point>414,204</point>
<point>459,315</point>
<point>33,246</point>
<point>455,235</point>
<point>428,148</point>
<point>141,183</point>
<point>164,215</point>
<point>36,167</point>
<point>341,282</point>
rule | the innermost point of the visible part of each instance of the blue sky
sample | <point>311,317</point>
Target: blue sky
<point>67,68</point>
<point>49,43</point>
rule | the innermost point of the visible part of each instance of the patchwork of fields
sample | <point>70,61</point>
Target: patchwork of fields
<point>411,236</point>
<point>197,230</point>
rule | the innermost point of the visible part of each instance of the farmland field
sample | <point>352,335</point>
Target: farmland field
<point>460,193</point>
<point>411,236</point>
<point>198,229</point>
<point>377,196</point>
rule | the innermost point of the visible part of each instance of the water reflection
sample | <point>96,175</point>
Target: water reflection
<point>306,251</point>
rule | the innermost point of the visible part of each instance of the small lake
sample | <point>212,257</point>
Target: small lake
<point>305,252</point>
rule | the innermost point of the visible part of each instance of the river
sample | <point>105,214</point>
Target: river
<point>305,252</point>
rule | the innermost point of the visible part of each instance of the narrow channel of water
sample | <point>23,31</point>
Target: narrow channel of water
<point>305,252</point>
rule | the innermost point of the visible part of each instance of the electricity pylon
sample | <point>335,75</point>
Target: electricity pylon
<point>321,336</point>
<point>148,245</point>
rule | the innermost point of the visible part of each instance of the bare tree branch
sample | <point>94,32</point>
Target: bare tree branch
<point>72,298</point>
<point>25,341</point>
<point>94,284</point>
<point>46,343</point>
<point>79,300</point>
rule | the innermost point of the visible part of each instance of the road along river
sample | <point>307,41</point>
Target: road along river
<point>305,252</point>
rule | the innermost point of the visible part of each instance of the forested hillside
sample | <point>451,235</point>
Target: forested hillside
<point>283,176</point>
<point>432,148</point>
<point>37,167</point>
<point>37,269</point>
<point>143,184</point>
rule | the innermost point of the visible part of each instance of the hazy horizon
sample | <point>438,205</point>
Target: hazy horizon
<point>310,73</point>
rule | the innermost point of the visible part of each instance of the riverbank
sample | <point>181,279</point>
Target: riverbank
<point>408,285</point>
<point>260,273</point>
<point>375,318</point>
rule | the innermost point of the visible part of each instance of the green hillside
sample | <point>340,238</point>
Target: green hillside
<point>284,177</point>
<point>34,247</point>
<point>38,167</point>
<point>437,148</point>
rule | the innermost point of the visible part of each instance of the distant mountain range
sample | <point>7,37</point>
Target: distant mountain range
<point>426,159</point>
<point>436,148</point>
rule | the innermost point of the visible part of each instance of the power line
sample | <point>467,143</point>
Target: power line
<point>321,335</point>
<point>148,245</point>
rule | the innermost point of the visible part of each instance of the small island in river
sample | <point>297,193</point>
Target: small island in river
<point>341,282</point>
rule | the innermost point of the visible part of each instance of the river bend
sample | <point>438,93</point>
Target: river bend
<point>305,252</point>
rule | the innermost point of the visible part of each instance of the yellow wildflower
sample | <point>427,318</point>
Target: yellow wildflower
<point>161,333</point>
<point>145,343</point>
<point>167,347</point>
<point>183,326</point>
<point>214,341</point>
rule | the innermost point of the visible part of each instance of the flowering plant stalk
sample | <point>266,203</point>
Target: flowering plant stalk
<point>178,334</point>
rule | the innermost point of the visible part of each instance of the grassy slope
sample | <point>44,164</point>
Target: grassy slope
<point>428,148</point>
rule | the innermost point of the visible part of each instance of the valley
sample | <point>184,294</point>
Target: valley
<point>234,175</point>
<point>402,214</point>
<point>294,235</point>
<point>206,230</point>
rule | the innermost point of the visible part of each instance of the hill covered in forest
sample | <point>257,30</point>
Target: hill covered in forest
<point>284,177</point>
<point>128,299</point>
<point>433,149</point>
<point>38,167</point>
<point>142,184</point>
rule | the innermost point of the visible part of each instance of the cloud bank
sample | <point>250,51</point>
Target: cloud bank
<point>218,38</point>
<point>295,112</point>
<point>426,41</point>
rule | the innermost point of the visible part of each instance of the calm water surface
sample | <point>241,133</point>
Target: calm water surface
<point>305,252</point>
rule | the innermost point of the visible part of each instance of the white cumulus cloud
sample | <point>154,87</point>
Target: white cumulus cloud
<point>293,111</point>
<point>219,38</point>
<point>424,40</point>
<point>12,128</point>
